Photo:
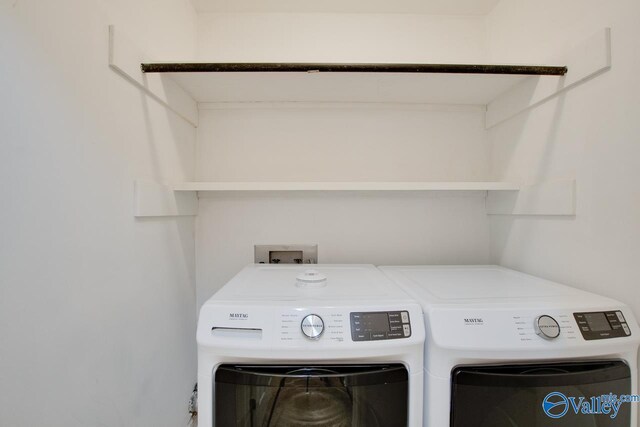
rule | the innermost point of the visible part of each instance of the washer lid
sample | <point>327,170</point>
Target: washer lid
<point>320,281</point>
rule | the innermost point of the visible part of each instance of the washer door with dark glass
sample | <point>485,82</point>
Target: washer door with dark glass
<point>559,395</point>
<point>313,396</point>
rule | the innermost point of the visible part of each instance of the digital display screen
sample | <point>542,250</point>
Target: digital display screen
<point>597,322</point>
<point>376,322</point>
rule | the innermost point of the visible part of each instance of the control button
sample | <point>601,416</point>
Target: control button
<point>312,326</point>
<point>364,336</point>
<point>620,316</point>
<point>395,335</point>
<point>546,327</point>
<point>405,317</point>
<point>626,329</point>
<point>378,335</point>
<point>407,330</point>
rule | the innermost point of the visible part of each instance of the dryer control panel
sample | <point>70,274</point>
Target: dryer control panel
<point>505,328</point>
<point>602,324</point>
<point>380,325</point>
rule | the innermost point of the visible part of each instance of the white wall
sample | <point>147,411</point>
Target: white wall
<point>346,143</point>
<point>349,37</point>
<point>591,133</point>
<point>343,142</point>
<point>97,309</point>
<point>352,227</point>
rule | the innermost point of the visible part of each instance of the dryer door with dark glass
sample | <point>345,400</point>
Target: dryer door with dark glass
<point>559,395</point>
<point>288,396</point>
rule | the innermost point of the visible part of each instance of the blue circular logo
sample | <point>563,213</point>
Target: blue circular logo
<point>555,405</point>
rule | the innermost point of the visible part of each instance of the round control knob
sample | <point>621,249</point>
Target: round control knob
<point>312,326</point>
<point>547,327</point>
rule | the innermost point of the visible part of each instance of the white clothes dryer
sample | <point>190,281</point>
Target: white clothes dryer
<point>339,345</point>
<point>506,349</point>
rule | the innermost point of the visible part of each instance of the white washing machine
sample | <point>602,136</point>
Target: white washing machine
<point>339,345</point>
<point>508,349</point>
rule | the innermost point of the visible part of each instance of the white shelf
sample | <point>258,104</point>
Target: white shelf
<point>457,89</point>
<point>503,89</point>
<point>503,198</point>
<point>346,186</point>
<point>349,82</point>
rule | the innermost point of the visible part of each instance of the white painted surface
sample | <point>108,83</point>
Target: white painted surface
<point>590,133</point>
<point>97,309</point>
<point>155,200</point>
<point>125,58</point>
<point>543,198</point>
<point>341,144</point>
<point>443,7</point>
<point>334,37</point>
<point>348,228</point>
<point>346,186</point>
<point>464,89</point>
<point>585,61</point>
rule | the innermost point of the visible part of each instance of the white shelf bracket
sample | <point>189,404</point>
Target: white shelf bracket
<point>546,198</point>
<point>125,58</point>
<point>584,62</point>
<point>156,200</point>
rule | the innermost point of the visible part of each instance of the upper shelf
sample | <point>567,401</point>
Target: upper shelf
<point>309,82</point>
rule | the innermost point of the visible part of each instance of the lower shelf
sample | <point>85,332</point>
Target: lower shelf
<point>346,186</point>
<point>502,198</point>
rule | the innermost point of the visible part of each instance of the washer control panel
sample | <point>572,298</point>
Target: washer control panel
<point>300,327</point>
<point>534,326</point>
<point>380,325</point>
<point>602,325</point>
